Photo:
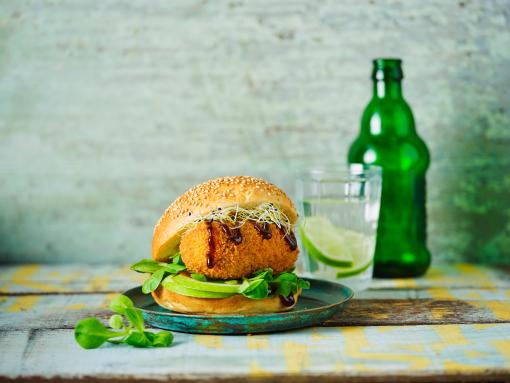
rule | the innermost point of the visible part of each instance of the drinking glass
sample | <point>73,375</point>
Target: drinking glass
<point>339,209</point>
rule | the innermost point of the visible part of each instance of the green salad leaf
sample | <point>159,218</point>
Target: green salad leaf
<point>153,281</point>
<point>146,266</point>
<point>257,289</point>
<point>259,285</point>
<point>158,271</point>
<point>91,333</point>
<point>262,284</point>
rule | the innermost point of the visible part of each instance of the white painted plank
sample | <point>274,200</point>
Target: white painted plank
<point>13,345</point>
<point>351,351</point>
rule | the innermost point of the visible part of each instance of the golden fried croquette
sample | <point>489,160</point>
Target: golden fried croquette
<point>231,260</point>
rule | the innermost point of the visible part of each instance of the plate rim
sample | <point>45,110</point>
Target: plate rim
<point>350,294</point>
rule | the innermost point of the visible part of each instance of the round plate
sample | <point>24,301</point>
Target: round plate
<point>315,305</point>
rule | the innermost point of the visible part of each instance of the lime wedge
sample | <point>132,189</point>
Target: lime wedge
<point>324,243</point>
<point>361,247</point>
<point>350,251</point>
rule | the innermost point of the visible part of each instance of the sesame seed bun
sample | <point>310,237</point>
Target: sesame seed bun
<point>247,192</point>
<point>236,304</point>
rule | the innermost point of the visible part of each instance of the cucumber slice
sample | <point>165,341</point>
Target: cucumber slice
<point>214,287</point>
<point>170,284</point>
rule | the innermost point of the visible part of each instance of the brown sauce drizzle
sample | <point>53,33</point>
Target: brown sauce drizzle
<point>264,230</point>
<point>287,301</point>
<point>212,246</point>
<point>290,238</point>
<point>232,233</point>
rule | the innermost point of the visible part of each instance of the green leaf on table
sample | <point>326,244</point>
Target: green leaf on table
<point>123,305</point>
<point>120,303</point>
<point>147,339</point>
<point>116,322</point>
<point>140,339</point>
<point>91,333</point>
<point>135,317</point>
<point>162,339</point>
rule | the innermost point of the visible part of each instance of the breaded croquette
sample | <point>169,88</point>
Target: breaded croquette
<point>231,260</point>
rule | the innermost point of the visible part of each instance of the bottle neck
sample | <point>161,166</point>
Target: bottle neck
<point>387,89</point>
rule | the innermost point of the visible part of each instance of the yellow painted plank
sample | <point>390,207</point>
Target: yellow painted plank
<point>67,278</point>
<point>296,356</point>
<point>499,309</point>
<point>210,341</point>
<point>22,303</point>
<point>46,278</point>
<point>445,276</point>
<point>441,280</point>
<point>257,342</point>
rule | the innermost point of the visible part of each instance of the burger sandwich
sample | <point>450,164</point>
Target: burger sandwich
<point>225,246</point>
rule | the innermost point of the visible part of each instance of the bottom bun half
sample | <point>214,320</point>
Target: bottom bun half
<point>236,304</point>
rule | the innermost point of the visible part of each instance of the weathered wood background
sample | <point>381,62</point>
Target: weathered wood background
<point>110,109</point>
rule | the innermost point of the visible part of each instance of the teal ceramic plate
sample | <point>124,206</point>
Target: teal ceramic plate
<point>323,300</point>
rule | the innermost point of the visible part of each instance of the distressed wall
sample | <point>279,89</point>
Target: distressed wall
<point>110,109</point>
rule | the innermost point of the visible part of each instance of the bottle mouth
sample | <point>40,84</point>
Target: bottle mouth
<point>387,62</point>
<point>387,69</point>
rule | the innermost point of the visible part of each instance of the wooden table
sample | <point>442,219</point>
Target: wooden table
<point>452,325</point>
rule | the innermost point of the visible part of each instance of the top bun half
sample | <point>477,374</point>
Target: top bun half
<point>247,192</point>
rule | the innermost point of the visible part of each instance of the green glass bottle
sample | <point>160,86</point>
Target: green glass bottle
<point>388,139</point>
